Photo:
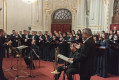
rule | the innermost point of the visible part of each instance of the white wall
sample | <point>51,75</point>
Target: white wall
<point>18,15</point>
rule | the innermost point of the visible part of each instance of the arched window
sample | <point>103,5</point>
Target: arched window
<point>62,16</point>
<point>116,8</point>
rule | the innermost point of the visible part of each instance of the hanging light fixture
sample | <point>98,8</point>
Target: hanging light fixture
<point>29,1</point>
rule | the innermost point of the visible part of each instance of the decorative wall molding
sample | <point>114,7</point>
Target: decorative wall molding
<point>50,6</point>
<point>38,15</point>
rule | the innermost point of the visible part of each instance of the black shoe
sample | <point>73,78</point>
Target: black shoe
<point>6,79</point>
<point>33,67</point>
<point>28,66</point>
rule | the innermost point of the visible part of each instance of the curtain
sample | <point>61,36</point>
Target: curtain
<point>114,25</point>
<point>61,27</point>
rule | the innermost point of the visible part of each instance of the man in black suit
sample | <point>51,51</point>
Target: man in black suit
<point>70,69</point>
<point>87,55</point>
<point>16,39</point>
<point>13,33</point>
<point>34,36</point>
<point>2,43</point>
<point>28,38</point>
<point>23,37</point>
<point>23,41</point>
<point>41,36</point>
<point>7,38</point>
<point>12,37</point>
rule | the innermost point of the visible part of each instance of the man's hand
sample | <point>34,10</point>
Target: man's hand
<point>9,42</point>
<point>70,59</point>
<point>77,46</point>
<point>65,67</point>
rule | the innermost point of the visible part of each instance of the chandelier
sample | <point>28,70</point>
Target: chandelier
<point>29,1</point>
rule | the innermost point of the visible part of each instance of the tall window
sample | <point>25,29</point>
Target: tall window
<point>116,7</point>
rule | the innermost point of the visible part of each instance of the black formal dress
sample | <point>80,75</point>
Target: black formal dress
<point>2,40</point>
<point>103,59</point>
<point>87,59</point>
<point>40,42</point>
<point>114,57</point>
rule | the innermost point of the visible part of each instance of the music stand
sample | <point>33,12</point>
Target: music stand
<point>18,55</point>
<point>30,75</point>
<point>17,75</point>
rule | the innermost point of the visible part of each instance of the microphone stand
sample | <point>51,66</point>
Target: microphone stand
<point>17,75</point>
<point>11,65</point>
<point>64,71</point>
<point>18,55</point>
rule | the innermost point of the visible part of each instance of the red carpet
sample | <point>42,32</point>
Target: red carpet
<point>43,73</point>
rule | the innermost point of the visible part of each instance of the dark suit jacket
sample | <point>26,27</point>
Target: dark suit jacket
<point>35,37</point>
<point>87,58</point>
<point>2,41</point>
<point>23,39</point>
<point>74,65</point>
<point>15,41</point>
<point>41,37</point>
<point>7,38</point>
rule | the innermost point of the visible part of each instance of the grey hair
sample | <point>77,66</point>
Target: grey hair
<point>87,31</point>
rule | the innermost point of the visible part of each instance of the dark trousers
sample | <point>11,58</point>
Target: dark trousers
<point>2,77</point>
<point>60,69</point>
<point>85,77</point>
<point>29,63</point>
<point>13,53</point>
<point>69,72</point>
<point>6,49</point>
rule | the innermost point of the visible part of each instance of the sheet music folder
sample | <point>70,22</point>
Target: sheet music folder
<point>64,58</point>
<point>22,47</point>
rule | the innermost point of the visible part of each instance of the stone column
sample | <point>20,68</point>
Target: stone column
<point>1,14</point>
<point>41,14</point>
<point>37,16</point>
<point>5,15</point>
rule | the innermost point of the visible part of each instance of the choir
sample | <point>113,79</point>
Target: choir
<point>107,57</point>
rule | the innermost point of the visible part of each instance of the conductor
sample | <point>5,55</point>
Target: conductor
<point>87,55</point>
<point>2,44</point>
